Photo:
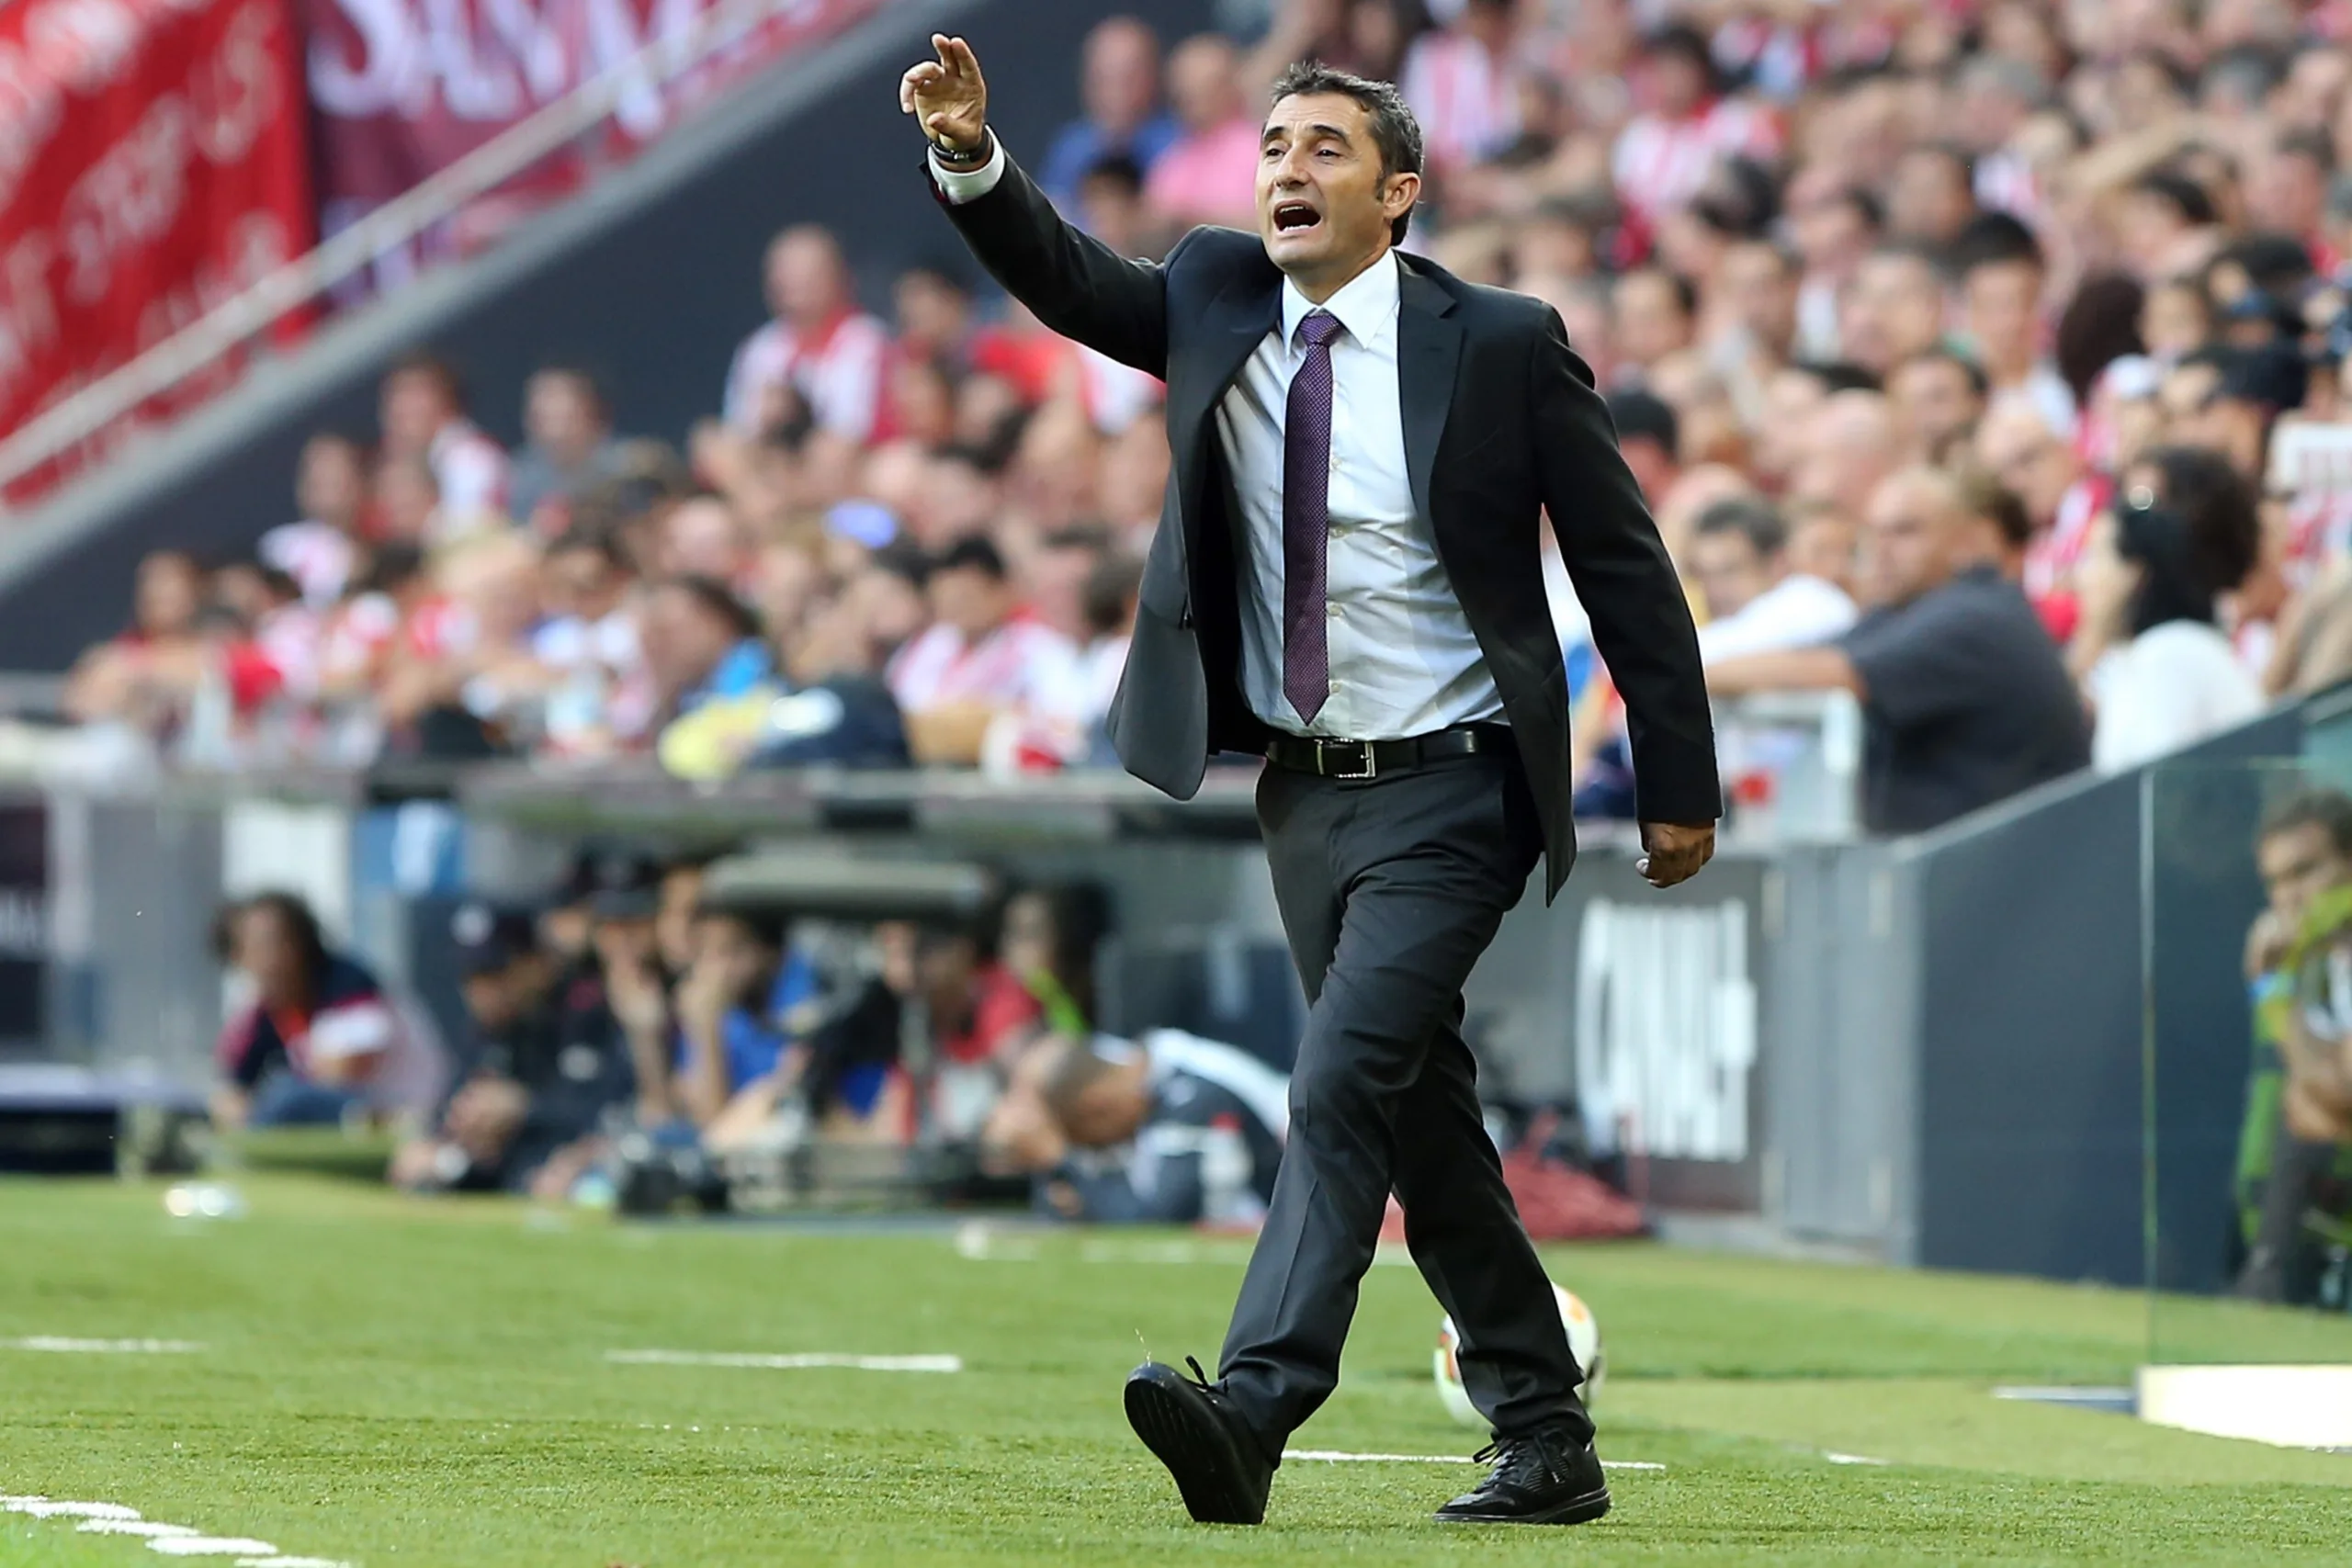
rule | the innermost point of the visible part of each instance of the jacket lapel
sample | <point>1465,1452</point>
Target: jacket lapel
<point>1235,323</point>
<point>1429,351</point>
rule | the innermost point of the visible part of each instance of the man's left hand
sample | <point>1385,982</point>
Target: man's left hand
<point>1672,853</point>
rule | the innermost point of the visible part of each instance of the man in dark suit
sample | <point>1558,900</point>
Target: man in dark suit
<point>1346,579</point>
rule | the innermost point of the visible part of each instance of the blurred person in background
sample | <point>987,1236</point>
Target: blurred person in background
<point>136,679</point>
<point>2295,1146</point>
<point>701,644</point>
<point>1650,436</point>
<point>2018,446</point>
<point>1207,175</point>
<point>324,546</point>
<point>1166,1129</point>
<point>422,410</point>
<point>983,657</point>
<point>819,347</point>
<point>2159,674</point>
<point>734,1005</point>
<point>1756,601</point>
<point>2002,275</point>
<point>589,646</point>
<point>312,1039</point>
<point>1894,310</point>
<point>538,1077</point>
<point>1119,85</point>
<point>568,449</point>
<point>1965,700</point>
<point>1936,398</point>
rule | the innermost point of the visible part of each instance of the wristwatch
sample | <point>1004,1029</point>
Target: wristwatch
<point>969,159</point>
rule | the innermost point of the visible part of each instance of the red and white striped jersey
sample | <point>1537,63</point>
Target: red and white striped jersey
<point>1466,100</point>
<point>1660,164</point>
<point>470,470</point>
<point>1022,663</point>
<point>838,372</point>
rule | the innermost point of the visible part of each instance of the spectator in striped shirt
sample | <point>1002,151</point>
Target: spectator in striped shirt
<point>422,411</point>
<point>819,350</point>
<point>985,656</point>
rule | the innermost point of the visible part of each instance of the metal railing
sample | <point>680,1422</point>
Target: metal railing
<point>119,394</point>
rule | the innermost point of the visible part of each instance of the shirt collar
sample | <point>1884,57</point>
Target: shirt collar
<point>1366,306</point>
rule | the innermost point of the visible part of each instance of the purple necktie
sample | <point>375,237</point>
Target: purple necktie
<point>1307,520</point>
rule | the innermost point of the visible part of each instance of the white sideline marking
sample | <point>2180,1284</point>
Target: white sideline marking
<point>1332,1456</point>
<point>43,1508</point>
<point>785,1363</point>
<point>173,1541</point>
<point>54,1343</point>
<point>135,1527</point>
<point>1849,1458</point>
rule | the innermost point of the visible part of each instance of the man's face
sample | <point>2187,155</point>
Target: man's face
<point>969,600</point>
<point>1929,199</point>
<point>2298,865</point>
<point>2000,304</point>
<point>1934,401</point>
<point>734,954</point>
<point>1121,79</point>
<point>2191,399</point>
<point>1894,310</point>
<point>496,999</point>
<point>1649,320</point>
<point>805,279</point>
<point>2028,456</point>
<point>560,415</point>
<point>169,592</point>
<point>332,485</point>
<point>1323,208</point>
<point>683,642</point>
<point>1107,1112</point>
<point>1762,292</point>
<point>413,409</point>
<point>582,582</point>
<point>1912,529</point>
<point>1728,570</point>
<point>932,313</point>
<point>1201,85</point>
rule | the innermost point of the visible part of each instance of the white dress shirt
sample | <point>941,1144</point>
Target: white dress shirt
<point>1403,659</point>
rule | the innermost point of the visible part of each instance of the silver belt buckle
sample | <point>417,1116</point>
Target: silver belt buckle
<point>1371,768</point>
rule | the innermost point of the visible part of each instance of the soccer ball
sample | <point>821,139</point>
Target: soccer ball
<point>1584,1339</point>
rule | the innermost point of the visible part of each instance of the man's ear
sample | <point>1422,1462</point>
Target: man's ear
<point>1403,191</point>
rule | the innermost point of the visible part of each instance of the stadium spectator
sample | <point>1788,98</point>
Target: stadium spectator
<point>1755,601</point>
<point>322,550</point>
<point>139,678</point>
<point>736,1059</point>
<point>820,358</point>
<point>1650,436</point>
<point>702,644</point>
<point>313,1038</point>
<point>1936,398</point>
<point>2295,1147</point>
<point>568,449</point>
<point>1894,308</point>
<point>2159,674</point>
<point>1166,1129</point>
<point>538,1074</point>
<point>1119,83</point>
<point>1462,83</point>
<point>983,657</point>
<point>1208,175</point>
<point>1964,696</point>
<point>423,413</point>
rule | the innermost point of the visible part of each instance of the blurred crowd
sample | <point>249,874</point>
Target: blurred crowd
<point>1981,358</point>
<point>639,1038</point>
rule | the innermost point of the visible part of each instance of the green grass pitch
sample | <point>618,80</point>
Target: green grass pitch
<point>384,1382</point>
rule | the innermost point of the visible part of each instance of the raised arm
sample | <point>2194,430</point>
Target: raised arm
<point>1641,623</point>
<point>1074,282</point>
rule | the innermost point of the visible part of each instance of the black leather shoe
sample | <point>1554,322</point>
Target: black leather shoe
<point>1192,1428</point>
<point>1544,1478</point>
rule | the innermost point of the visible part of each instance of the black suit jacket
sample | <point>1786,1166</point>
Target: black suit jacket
<point>1501,425</point>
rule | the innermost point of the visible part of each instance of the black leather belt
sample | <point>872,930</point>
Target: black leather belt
<point>1372,759</point>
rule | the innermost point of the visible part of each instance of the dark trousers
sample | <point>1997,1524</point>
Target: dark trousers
<point>1389,891</point>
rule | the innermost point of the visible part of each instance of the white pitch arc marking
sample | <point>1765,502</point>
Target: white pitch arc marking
<point>59,1344</point>
<point>211,1546</point>
<point>43,1508</point>
<point>785,1363</point>
<point>1332,1456</point>
<point>135,1527</point>
<point>1849,1458</point>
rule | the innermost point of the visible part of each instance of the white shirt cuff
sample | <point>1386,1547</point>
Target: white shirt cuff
<point>960,185</point>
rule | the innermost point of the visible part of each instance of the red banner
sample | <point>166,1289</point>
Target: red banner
<point>152,167</point>
<point>404,88</point>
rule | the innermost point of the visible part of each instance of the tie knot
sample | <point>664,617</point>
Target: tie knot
<point>1319,328</point>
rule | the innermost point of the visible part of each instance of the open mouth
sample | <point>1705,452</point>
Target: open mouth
<point>1292,217</point>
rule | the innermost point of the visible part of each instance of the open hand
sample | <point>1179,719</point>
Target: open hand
<point>947,96</point>
<point>1672,853</point>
